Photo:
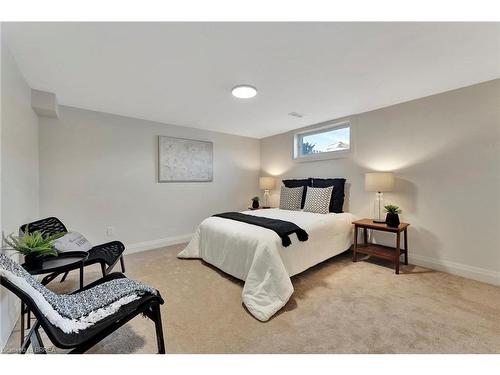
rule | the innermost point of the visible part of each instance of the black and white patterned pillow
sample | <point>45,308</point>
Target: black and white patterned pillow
<point>291,198</point>
<point>318,200</point>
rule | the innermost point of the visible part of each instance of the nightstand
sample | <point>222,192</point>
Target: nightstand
<point>380,251</point>
<point>258,208</point>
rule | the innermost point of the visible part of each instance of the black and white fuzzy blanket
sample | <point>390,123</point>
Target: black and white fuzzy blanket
<point>72,312</point>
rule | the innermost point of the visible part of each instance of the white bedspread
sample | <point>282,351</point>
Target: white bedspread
<point>256,255</point>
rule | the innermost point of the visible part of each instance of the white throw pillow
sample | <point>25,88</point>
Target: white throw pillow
<point>72,241</point>
<point>291,198</point>
<point>318,200</point>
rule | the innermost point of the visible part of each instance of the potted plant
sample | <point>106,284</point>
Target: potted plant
<point>255,202</point>
<point>392,218</point>
<point>34,246</point>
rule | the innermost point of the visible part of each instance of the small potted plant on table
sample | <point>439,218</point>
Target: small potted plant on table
<point>392,218</point>
<point>34,246</point>
<point>255,202</point>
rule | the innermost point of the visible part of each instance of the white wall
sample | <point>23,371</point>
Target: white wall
<point>19,168</point>
<point>100,170</point>
<point>445,152</point>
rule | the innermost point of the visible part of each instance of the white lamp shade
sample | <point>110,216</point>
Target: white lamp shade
<point>379,181</point>
<point>267,183</point>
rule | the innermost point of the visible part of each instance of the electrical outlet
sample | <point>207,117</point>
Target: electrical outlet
<point>110,231</point>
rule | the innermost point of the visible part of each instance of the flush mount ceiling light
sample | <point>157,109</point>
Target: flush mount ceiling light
<point>244,91</point>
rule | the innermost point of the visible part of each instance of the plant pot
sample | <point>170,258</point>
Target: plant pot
<point>392,220</point>
<point>255,204</point>
<point>33,261</point>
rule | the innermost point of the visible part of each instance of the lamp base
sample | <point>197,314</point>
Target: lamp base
<point>266,198</point>
<point>378,205</point>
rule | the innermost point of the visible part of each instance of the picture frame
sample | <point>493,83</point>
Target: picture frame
<point>184,160</point>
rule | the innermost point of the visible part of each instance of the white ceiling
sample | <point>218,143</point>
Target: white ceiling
<point>182,73</point>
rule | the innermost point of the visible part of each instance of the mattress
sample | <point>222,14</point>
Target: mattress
<point>255,254</point>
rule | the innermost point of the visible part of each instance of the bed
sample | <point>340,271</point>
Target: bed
<point>256,255</point>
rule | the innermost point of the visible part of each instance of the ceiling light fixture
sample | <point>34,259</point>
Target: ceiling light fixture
<point>244,91</point>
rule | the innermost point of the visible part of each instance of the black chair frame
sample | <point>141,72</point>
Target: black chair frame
<point>148,305</point>
<point>107,254</point>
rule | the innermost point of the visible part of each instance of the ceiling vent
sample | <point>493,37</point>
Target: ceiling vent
<point>296,114</point>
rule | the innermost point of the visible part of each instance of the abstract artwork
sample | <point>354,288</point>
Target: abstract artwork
<point>184,160</point>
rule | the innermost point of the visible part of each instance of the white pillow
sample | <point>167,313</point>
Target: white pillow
<point>72,241</point>
<point>318,200</point>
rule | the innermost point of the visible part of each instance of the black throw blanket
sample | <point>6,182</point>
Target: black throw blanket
<point>281,227</point>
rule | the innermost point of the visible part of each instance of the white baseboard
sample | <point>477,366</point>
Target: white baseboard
<point>9,319</point>
<point>471,272</point>
<point>155,244</point>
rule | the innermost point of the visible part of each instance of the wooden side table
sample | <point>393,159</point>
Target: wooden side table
<point>380,251</point>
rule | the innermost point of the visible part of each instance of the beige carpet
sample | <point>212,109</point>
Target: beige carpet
<point>338,307</point>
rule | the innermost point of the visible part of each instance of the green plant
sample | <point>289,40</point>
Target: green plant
<point>35,243</point>
<point>256,199</point>
<point>392,209</point>
<point>308,148</point>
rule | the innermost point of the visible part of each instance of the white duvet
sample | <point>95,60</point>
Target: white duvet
<point>256,255</point>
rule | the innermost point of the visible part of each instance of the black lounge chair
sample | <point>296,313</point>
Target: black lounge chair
<point>80,342</point>
<point>107,255</point>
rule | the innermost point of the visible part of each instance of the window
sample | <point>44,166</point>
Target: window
<point>323,143</point>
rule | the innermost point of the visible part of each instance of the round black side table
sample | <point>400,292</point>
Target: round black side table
<point>53,266</point>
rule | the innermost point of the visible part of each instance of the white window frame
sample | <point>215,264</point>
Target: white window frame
<point>325,127</point>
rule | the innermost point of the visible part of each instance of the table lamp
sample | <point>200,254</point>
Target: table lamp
<point>379,182</point>
<point>266,183</point>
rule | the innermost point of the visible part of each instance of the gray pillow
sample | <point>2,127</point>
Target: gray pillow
<point>318,200</point>
<point>291,198</point>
